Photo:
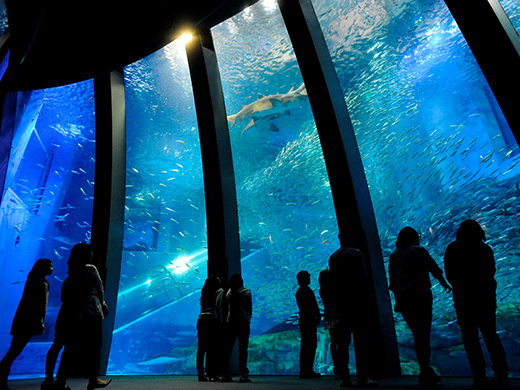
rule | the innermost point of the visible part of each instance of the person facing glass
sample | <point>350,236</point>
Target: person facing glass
<point>409,269</point>
<point>470,269</point>
<point>29,319</point>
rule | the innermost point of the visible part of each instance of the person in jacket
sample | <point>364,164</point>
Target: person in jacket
<point>208,326</point>
<point>470,269</point>
<point>409,269</point>
<point>356,308</point>
<point>310,317</point>
<point>240,311</point>
<point>29,319</point>
<point>331,317</point>
<point>83,295</point>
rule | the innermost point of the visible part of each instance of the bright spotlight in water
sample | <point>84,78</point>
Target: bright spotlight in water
<point>185,38</point>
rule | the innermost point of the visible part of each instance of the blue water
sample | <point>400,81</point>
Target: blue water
<point>434,144</point>
<point>47,201</point>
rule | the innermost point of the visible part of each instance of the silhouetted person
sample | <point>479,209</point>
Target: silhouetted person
<point>352,288</point>
<point>409,268</point>
<point>331,317</point>
<point>29,319</point>
<point>208,327</point>
<point>310,317</point>
<point>240,311</point>
<point>83,295</point>
<point>470,269</point>
<point>64,330</point>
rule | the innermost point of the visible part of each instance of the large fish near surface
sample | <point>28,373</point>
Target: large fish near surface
<point>270,107</point>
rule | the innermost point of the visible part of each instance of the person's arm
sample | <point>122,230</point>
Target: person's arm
<point>436,272</point>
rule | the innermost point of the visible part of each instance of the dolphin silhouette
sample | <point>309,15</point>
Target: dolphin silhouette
<point>270,107</point>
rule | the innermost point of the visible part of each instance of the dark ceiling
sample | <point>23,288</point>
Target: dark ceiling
<point>57,42</point>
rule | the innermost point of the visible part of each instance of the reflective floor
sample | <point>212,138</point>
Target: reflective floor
<point>258,383</point>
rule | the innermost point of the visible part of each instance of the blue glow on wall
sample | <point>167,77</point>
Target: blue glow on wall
<point>435,147</point>
<point>286,214</point>
<point>47,202</point>
<point>164,247</point>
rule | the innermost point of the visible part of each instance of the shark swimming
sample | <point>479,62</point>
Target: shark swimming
<point>269,108</point>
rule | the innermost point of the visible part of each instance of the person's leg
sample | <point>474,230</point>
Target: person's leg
<point>50,361</point>
<point>344,337</point>
<point>307,348</point>
<point>243,344</point>
<point>93,353</point>
<point>468,325</point>
<point>231,334</point>
<point>488,329</point>
<point>201,349</point>
<point>18,343</point>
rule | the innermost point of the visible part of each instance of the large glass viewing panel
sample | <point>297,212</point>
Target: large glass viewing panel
<point>164,248</point>
<point>47,202</point>
<point>435,148</point>
<point>286,215</point>
<point>512,10</point>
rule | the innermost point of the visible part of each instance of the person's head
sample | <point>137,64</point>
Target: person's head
<point>80,255</point>
<point>324,278</point>
<point>304,278</point>
<point>407,237</point>
<point>212,284</point>
<point>235,282</point>
<point>471,230</point>
<point>41,268</point>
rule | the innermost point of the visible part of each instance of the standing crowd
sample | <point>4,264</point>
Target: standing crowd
<point>349,312</point>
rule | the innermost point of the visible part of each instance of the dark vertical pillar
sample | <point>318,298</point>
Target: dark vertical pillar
<point>219,178</point>
<point>347,178</point>
<point>496,47</point>
<point>109,192</point>
<point>7,113</point>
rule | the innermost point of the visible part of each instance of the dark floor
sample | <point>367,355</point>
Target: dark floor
<point>258,383</point>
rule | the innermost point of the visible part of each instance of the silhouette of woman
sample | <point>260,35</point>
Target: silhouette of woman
<point>208,326</point>
<point>470,269</point>
<point>29,319</point>
<point>409,268</point>
<point>83,295</point>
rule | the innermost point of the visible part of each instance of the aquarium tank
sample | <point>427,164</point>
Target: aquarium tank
<point>435,147</point>
<point>163,264</point>
<point>46,203</point>
<point>512,10</point>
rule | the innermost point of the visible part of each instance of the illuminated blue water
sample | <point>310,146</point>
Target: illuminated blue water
<point>47,201</point>
<point>434,145</point>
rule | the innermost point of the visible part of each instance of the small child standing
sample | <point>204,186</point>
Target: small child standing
<point>310,317</point>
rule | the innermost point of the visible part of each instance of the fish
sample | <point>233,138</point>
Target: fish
<point>270,106</point>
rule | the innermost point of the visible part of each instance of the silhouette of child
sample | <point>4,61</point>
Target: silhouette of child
<point>310,317</point>
<point>29,319</point>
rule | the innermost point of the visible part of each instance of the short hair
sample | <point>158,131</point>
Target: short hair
<point>471,230</point>
<point>302,276</point>
<point>408,236</point>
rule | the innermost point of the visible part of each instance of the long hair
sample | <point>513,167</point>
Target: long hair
<point>408,236</point>
<point>40,268</point>
<point>80,256</point>
<point>207,295</point>
<point>470,230</point>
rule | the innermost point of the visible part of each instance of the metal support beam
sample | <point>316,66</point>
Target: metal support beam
<point>496,47</point>
<point>217,164</point>
<point>109,193</point>
<point>347,178</point>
